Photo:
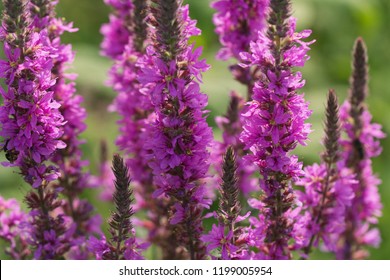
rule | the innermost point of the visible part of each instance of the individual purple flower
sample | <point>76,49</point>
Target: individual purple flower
<point>217,238</point>
<point>12,222</point>
<point>180,135</point>
<point>134,248</point>
<point>360,145</point>
<point>274,124</point>
<point>98,247</point>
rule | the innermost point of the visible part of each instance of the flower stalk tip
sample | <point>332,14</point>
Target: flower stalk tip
<point>332,129</point>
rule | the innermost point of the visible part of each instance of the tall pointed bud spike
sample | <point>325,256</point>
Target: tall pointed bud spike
<point>120,219</point>
<point>140,26</point>
<point>229,204</point>
<point>332,129</point>
<point>359,81</point>
<point>168,28</point>
<point>280,11</point>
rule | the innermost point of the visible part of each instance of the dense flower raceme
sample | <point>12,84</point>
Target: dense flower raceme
<point>32,125</point>
<point>360,145</point>
<point>132,103</point>
<point>73,180</point>
<point>180,133</point>
<point>30,119</point>
<point>274,123</point>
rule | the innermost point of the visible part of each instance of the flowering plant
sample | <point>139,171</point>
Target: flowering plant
<point>177,190</point>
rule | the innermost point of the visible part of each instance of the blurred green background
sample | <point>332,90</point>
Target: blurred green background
<point>335,24</point>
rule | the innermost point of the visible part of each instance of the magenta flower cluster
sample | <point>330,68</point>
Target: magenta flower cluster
<point>237,24</point>
<point>31,122</point>
<point>174,175</point>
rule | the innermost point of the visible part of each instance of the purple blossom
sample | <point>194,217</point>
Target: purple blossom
<point>217,238</point>
<point>237,24</point>
<point>116,33</point>
<point>366,207</point>
<point>134,249</point>
<point>327,208</point>
<point>12,221</point>
<point>98,247</point>
<point>101,249</point>
<point>30,118</point>
<point>32,125</point>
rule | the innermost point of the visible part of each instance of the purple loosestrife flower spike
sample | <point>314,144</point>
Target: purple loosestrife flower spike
<point>32,125</point>
<point>73,180</point>
<point>122,244</point>
<point>361,144</point>
<point>274,123</point>
<point>328,188</point>
<point>30,120</point>
<point>134,106</point>
<point>180,136</point>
